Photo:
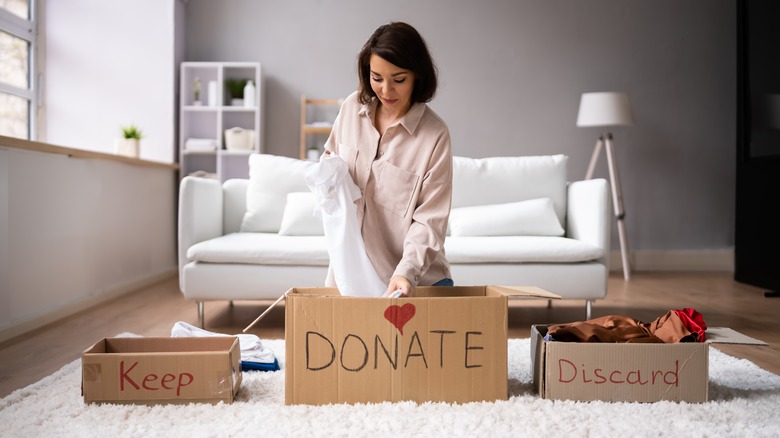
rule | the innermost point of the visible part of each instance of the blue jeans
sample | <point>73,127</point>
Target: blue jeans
<point>445,282</point>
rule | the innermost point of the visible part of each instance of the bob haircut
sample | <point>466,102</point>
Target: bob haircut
<point>401,45</point>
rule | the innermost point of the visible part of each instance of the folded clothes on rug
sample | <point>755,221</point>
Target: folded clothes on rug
<point>254,355</point>
<point>682,325</point>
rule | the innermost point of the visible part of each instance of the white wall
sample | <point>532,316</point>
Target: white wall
<point>109,64</point>
<point>73,229</point>
<point>512,72</point>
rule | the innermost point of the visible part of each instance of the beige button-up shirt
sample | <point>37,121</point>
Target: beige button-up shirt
<point>406,180</point>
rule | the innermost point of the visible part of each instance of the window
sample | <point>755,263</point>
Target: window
<point>18,88</point>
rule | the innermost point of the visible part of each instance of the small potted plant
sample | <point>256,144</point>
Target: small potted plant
<point>235,88</point>
<point>129,144</point>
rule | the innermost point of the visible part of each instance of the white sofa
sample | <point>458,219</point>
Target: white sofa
<point>253,239</point>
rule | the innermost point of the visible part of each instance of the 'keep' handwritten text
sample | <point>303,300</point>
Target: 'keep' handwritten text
<point>151,381</point>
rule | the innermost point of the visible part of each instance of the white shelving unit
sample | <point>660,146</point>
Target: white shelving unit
<point>316,125</point>
<point>209,117</point>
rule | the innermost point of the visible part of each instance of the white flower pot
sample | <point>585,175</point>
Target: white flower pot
<point>129,147</point>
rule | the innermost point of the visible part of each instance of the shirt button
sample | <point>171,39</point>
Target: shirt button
<point>381,153</point>
<point>416,278</point>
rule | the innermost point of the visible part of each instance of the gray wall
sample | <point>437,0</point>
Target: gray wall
<point>512,73</point>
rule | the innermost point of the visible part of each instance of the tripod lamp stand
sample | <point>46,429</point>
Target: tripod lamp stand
<point>603,110</point>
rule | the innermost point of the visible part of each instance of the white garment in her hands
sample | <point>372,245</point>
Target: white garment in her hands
<point>252,349</point>
<point>336,194</point>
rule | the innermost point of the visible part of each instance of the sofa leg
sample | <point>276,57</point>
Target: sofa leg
<point>549,304</point>
<point>231,303</point>
<point>201,319</point>
<point>588,308</point>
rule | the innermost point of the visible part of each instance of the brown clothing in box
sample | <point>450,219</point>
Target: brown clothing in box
<point>669,328</point>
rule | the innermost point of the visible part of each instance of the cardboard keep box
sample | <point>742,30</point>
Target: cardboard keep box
<point>162,370</point>
<point>446,344</point>
<point>625,372</point>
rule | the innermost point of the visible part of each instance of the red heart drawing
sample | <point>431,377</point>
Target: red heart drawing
<point>400,315</point>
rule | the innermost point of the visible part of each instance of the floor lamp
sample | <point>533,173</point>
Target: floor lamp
<point>604,110</point>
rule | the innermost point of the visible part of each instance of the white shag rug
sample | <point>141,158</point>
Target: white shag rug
<point>744,402</point>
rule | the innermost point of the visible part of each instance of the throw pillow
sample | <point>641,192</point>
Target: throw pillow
<point>271,178</point>
<point>298,218</point>
<point>535,217</point>
<point>499,180</point>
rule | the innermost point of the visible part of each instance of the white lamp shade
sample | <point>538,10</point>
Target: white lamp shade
<point>605,109</point>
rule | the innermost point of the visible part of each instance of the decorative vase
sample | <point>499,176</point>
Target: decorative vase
<point>249,95</point>
<point>212,93</point>
<point>129,147</point>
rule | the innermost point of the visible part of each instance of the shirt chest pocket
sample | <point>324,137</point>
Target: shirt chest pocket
<point>395,188</point>
<point>349,154</point>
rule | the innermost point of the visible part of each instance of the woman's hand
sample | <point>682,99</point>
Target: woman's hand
<point>402,283</point>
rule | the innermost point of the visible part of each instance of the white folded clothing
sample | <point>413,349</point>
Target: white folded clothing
<point>252,350</point>
<point>200,144</point>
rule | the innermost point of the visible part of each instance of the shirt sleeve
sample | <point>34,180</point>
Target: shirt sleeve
<point>425,238</point>
<point>332,144</point>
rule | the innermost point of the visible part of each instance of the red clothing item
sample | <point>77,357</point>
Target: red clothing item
<point>694,321</point>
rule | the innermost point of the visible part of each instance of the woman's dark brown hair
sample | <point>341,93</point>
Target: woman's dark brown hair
<point>401,45</point>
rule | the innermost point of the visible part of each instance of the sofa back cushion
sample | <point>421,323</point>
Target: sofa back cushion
<point>535,217</point>
<point>501,180</point>
<point>271,178</point>
<point>299,218</point>
<point>233,204</point>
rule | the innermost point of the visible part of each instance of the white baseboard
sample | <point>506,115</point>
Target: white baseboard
<point>703,260</point>
<point>33,323</point>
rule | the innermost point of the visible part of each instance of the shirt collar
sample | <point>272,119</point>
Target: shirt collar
<point>409,121</point>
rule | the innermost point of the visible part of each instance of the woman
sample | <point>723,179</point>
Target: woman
<point>399,155</point>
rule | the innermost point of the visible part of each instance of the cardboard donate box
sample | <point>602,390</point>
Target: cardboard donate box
<point>446,344</point>
<point>162,370</point>
<point>623,372</point>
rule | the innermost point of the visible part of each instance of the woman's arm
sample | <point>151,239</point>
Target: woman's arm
<point>425,238</point>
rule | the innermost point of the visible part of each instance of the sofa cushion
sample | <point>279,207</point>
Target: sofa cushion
<point>535,217</point>
<point>261,249</point>
<point>271,178</point>
<point>298,218</point>
<point>518,249</point>
<point>273,249</point>
<point>499,180</point>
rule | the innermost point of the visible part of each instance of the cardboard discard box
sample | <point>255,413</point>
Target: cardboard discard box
<point>446,344</point>
<point>162,370</point>
<point>625,372</point>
